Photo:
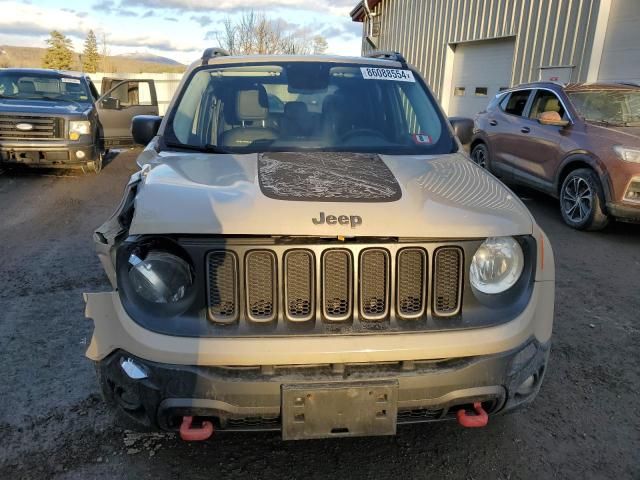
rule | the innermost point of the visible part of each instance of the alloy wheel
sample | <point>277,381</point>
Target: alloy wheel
<point>479,157</point>
<point>577,199</point>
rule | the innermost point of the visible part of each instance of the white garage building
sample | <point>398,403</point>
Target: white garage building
<point>468,50</point>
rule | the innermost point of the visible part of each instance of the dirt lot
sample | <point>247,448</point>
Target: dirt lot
<point>584,424</point>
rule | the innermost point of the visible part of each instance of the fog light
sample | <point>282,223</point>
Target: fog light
<point>132,369</point>
<point>80,154</point>
<point>633,193</point>
<point>527,386</point>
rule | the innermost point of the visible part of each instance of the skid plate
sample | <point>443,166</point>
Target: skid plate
<point>339,410</point>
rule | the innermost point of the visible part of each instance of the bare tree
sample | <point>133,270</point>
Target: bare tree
<point>256,34</point>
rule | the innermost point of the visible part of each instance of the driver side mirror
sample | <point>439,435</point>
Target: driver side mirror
<point>110,103</point>
<point>552,118</point>
<point>463,128</point>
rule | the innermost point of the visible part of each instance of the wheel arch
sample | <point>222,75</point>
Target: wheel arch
<point>579,160</point>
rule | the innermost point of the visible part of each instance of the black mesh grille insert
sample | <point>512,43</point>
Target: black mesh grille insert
<point>299,284</point>
<point>411,282</point>
<point>223,286</point>
<point>337,284</point>
<point>260,275</point>
<point>374,274</point>
<point>447,281</point>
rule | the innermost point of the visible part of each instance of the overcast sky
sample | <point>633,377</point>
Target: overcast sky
<point>178,29</point>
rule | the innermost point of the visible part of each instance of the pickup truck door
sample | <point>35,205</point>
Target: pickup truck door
<point>121,100</point>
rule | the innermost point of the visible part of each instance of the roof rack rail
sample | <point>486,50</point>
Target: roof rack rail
<point>210,53</point>
<point>388,55</point>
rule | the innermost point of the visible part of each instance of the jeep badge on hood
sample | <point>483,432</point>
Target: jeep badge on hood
<point>353,220</point>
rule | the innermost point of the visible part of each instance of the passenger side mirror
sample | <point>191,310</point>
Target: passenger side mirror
<point>144,128</point>
<point>552,118</point>
<point>110,103</point>
<point>463,128</point>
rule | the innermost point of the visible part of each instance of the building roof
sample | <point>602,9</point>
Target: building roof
<point>358,13</point>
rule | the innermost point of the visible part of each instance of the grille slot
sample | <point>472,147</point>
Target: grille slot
<point>43,127</point>
<point>374,284</point>
<point>299,285</point>
<point>447,288</point>
<point>337,285</point>
<point>223,286</point>
<point>261,285</point>
<point>411,283</point>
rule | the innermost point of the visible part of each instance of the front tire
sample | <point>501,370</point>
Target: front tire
<point>96,165</point>
<point>582,201</point>
<point>480,155</point>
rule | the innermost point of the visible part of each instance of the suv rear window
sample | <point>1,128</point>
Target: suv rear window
<point>515,102</point>
<point>308,106</point>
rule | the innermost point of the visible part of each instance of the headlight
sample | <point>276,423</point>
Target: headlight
<point>161,277</point>
<point>496,265</point>
<point>628,154</point>
<point>79,127</point>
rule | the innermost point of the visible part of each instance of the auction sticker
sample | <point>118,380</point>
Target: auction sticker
<point>374,73</point>
<point>70,80</point>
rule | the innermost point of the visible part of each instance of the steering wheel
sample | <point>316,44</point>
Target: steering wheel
<point>360,132</point>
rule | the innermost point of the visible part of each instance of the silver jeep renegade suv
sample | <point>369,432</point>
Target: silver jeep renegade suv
<point>307,248</point>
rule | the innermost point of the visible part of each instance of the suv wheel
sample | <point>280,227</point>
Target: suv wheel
<point>480,155</point>
<point>582,201</point>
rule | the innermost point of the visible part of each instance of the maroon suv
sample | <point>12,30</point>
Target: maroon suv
<point>579,143</point>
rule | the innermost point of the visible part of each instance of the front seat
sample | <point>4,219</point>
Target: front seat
<point>251,111</point>
<point>26,86</point>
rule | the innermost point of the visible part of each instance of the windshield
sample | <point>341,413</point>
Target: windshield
<point>45,86</point>
<point>307,106</point>
<point>615,107</point>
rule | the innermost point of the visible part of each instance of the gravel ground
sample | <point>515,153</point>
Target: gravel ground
<point>584,424</point>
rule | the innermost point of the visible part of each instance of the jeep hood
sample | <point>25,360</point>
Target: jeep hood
<point>444,196</point>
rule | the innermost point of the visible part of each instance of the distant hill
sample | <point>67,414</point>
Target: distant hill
<point>11,56</point>
<point>149,58</point>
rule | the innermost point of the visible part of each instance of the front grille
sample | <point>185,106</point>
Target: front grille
<point>336,285</point>
<point>223,286</point>
<point>332,288</point>
<point>374,284</point>
<point>447,281</point>
<point>299,286</point>
<point>411,281</point>
<point>261,285</point>
<point>42,127</point>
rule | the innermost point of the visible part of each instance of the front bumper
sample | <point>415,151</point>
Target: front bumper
<point>625,211</point>
<point>60,153</point>
<point>250,398</point>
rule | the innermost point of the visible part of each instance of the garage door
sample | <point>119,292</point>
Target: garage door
<point>480,70</point>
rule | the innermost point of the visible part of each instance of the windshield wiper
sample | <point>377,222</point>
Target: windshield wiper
<point>208,148</point>
<point>604,122</point>
<point>56,99</point>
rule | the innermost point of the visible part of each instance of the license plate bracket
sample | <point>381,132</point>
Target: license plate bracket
<point>339,410</point>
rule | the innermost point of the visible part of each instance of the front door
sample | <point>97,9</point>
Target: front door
<point>540,146</point>
<point>119,104</point>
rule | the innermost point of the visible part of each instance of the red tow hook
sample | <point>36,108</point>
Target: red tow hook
<point>480,419</point>
<point>189,434</point>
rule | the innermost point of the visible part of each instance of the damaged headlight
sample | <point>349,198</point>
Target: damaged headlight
<point>496,265</point>
<point>160,277</point>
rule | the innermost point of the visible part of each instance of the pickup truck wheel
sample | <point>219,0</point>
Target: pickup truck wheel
<point>480,155</point>
<point>96,165</point>
<point>582,201</point>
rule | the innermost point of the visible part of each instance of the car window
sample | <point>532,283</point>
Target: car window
<point>613,106</point>
<point>546,101</point>
<point>515,102</point>
<point>48,86</point>
<point>308,105</point>
<point>133,93</point>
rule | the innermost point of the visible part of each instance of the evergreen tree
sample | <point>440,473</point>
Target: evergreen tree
<point>59,55</point>
<point>90,55</point>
